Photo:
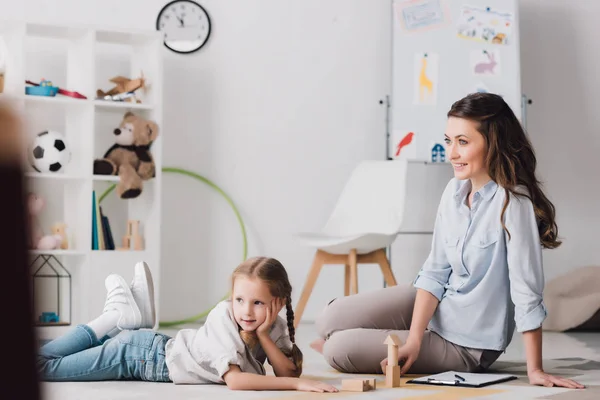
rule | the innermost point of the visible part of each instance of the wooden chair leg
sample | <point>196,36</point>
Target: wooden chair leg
<point>386,269</point>
<point>346,280</point>
<point>353,271</point>
<point>311,279</point>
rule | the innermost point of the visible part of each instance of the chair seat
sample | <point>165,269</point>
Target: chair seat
<point>363,243</point>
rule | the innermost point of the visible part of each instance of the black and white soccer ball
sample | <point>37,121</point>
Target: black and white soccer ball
<point>49,152</point>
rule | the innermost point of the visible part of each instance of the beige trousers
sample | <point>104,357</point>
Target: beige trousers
<point>355,327</point>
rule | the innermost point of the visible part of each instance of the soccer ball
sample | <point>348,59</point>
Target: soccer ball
<point>49,152</point>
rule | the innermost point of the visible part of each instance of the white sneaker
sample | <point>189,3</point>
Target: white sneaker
<point>142,287</point>
<point>120,298</point>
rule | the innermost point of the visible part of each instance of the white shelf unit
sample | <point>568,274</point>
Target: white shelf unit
<point>83,59</point>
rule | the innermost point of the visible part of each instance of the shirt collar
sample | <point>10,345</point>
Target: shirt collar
<point>463,187</point>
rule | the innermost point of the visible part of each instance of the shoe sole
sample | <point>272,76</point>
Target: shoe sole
<point>144,271</point>
<point>131,300</point>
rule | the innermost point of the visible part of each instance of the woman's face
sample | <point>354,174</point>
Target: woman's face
<point>466,148</point>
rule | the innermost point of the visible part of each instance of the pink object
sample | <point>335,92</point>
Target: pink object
<point>484,67</point>
<point>38,240</point>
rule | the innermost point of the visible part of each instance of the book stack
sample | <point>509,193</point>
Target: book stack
<point>102,238</point>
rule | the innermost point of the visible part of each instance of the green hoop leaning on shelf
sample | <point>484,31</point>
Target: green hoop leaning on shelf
<point>194,318</point>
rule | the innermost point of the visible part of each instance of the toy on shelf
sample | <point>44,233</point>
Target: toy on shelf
<point>392,370</point>
<point>60,230</point>
<point>133,240</point>
<point>49,152</point>
<point>124,89</point>
<point>130,156</point>
<point>48,317</point>
<point>38,240</point>
<point>45,88</point>
<point>358,385</point>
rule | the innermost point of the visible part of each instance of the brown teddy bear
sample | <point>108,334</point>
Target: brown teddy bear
<point>130,156</point>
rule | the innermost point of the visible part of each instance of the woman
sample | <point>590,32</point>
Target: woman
<point>484,275</point>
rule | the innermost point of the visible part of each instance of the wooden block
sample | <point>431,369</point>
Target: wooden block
<point>358,385</point>
<point>126,242</point>
<point>392,376</point>
<point>138,243</point>
<point>372,384</point>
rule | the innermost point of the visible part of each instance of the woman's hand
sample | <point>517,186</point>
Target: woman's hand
<point>407,355</point>
<point>540,378</point>
<point>307,385</point>
<point>273,310</point>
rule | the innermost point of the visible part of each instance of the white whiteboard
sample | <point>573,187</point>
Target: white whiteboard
<point>428,53</point>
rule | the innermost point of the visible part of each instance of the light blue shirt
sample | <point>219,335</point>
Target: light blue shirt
<point>487,284</point>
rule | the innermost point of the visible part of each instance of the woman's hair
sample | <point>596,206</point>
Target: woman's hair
<point>510,157</point>
<point>272,272</point>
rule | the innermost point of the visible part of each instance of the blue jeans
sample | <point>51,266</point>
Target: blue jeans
<point>80,356</point>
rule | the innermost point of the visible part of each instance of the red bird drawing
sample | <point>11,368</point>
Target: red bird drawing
<point>406,140</point>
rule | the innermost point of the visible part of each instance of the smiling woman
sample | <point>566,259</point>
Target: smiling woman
<point>491,225</point>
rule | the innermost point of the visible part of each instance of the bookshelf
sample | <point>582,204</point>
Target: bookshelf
<point>83,59</point>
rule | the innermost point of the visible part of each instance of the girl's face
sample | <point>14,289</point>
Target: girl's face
<point>466,148</point>
<point>251,297</point>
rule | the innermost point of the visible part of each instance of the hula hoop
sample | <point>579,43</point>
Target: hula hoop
<point>181,171</point>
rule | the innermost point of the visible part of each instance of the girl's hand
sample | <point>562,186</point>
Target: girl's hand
<point>307,385</point>
<point>273,310</point>
<point>407,355</point>
<point>540,378</point>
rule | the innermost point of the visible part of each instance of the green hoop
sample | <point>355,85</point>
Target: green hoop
<point>181,171</point>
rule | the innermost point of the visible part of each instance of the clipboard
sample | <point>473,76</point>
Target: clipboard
<point>463,379</point>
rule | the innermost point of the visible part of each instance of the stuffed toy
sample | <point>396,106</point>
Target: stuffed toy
<point>130,156</point>
<point>38,240</point>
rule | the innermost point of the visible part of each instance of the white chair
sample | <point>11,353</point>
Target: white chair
<point>364,222</point>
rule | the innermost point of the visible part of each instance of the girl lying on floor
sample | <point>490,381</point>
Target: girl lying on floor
<point>239,335</point>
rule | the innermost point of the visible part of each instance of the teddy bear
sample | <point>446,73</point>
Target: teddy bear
<point>37,239</point>
<point>130,157</point>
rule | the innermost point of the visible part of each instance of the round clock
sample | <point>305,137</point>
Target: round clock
<point>185,26</point>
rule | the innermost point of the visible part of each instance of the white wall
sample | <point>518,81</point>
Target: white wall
<point>559,72</point>
<point>282,103</point>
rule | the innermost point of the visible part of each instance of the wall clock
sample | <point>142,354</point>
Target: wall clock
<point>185,25</point>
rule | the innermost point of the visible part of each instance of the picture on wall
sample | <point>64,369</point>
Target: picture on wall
<point>420,15</point>
<point>485,25</point>
<point>486,62</point>
<point>426,72</point>
<point>404,144</point>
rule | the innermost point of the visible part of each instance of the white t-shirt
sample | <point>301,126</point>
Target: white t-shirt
<point>196,356</point>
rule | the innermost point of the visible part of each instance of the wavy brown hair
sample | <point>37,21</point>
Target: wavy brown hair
<point>272,272</point>
<point>510,158</point>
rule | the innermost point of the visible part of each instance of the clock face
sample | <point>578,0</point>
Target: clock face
<point>185,26</point>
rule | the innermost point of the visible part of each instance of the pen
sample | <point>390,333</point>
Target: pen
<point>459,377</point>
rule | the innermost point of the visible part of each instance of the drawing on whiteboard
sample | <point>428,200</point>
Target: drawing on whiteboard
<point>426,77</point>
<point>485,25</point>
<point>419,15</point>
<point>438,153</point>
<point>404,144</point>
<point>485,62</point>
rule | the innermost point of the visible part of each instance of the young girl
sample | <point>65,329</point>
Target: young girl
<point>231,347</point>
<point>484,275</point>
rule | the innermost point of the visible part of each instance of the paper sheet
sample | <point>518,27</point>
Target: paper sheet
<point>485,25</point>
<point>486,62</point>
<point>426,72</point>
<point>404,144</point>
<point>421,15</point>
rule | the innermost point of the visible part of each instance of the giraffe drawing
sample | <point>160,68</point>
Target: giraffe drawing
<point>424,82</point>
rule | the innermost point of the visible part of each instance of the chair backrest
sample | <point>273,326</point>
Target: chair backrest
<point>372,200</point>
